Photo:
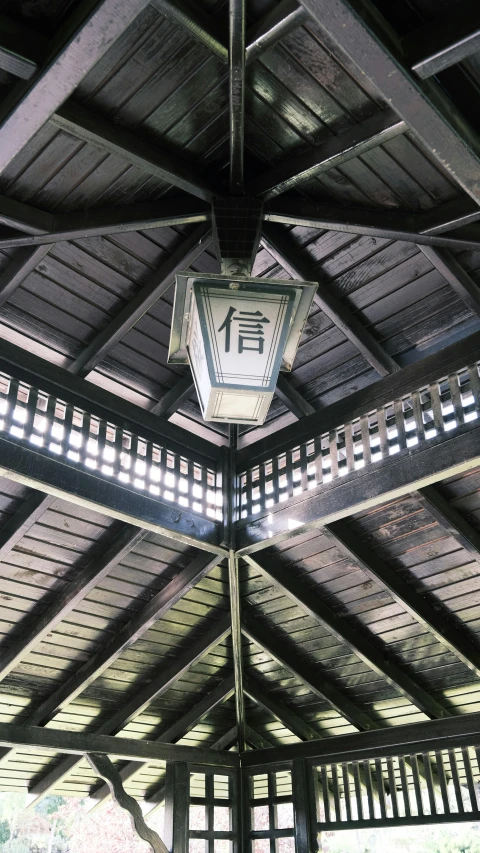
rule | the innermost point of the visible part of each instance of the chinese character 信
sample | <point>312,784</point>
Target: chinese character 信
<point>250,328</point>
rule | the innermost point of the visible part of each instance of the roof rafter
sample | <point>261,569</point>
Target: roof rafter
<point>282,712</point>
<point>360,33</point>
<point>417,605</point>
<point>343,630</point>
<point>444,41</point>
<point>287,657</point>
<point>90,127</point>
<point>187,252</point>
<point>32,508</point>
<point>76,590</point>
<point>131,708</point>
<point>171,734</point>
<point>289,173</point>
<point>281,248</point>
<point>427,228</point>
<point>87,34</point>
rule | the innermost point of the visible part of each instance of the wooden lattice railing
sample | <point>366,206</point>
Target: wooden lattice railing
<point>402,423</point>
<point>426,788</point>
<point>36,419</point>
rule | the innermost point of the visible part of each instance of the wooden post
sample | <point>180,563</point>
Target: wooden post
<point>177,794</point>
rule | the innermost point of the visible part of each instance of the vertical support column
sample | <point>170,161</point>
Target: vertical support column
<point>234,588</point>
<point>305,839</point>
<point>236,59</point>
<point>177,795</point>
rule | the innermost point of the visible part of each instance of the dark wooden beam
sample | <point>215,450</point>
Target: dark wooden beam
<point>461,282</point>
<point>360,643</point>
<point>236,59</point>
<point>281,247</point>
<point>448,39</point>
<point>404,472</point>
<point>289,173</point>
<point>284,17</point>
<point>434,229</point>
<point>24,262</point>
<point>177,800</point>
<point>362,36</point>
<point>186,253</point>
<point>199,24</point>
<point>417,605</point>
<point>78,744</point>
<point>76,484</point>
<point>141,153</point>
<point>103,767</point>
<point>21,49</point>
<point>314,680</point>
<point>32,508</point>
<point>105,221</point>
<point>418,375</point>
<point>24,217</point>
<point>174,398</point>
<point>410,739</point>
<point>236,620</point>
<point>131,708</point>
<point>453,523</point>
<point>282,712</point>
<point>291,398</point>
<point>155,799</point>
<point>255,740</point>
<point>81,42</point>
<point>159,605</point>
<point>172,734</point>
<point>76,590</point>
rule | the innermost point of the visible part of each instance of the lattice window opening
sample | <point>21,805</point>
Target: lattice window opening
<point>271,816</point>
<point>377,435</point>
<point>211,813</point>
<point>51,425</point>
<point>401,789</point>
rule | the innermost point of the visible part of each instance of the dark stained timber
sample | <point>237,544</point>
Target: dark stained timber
<point>84,581</point>
<point>462,283</point>
<point>291,398</point>
<point>78,743</point>
<point>175,732</point>
<point>284,17</point>
<point>358,641</point>
<point>200,25</point>
<point>104,222</point>
<point>152,290</point>
<point>92,128</point>
<point>360,34</point>
<point>174,398</point>
<point>236,58</point>
<point>162,680</point>
<point>285,715</point>
<point>22,520</point>
<point>89,34</point>
<point>287,175</point>
<point>314,680</point>
<point>429,228</point>
<point>279,245</point>
<point>446,40</point>
<point>416,604</point>
<point>102,765</point>
<point>454,732</point>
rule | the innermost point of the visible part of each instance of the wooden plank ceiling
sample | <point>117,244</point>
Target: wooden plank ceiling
<point>169,90</point>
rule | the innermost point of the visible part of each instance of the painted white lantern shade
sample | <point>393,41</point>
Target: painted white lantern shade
<point>236,333</point>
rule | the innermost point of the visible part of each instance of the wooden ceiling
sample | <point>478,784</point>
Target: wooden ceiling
<point>156,103</point>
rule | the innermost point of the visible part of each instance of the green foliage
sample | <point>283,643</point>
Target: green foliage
<point>49,805</point>
<point>4,831</point>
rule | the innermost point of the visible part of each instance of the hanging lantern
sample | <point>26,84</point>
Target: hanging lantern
<point>237,333</point>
